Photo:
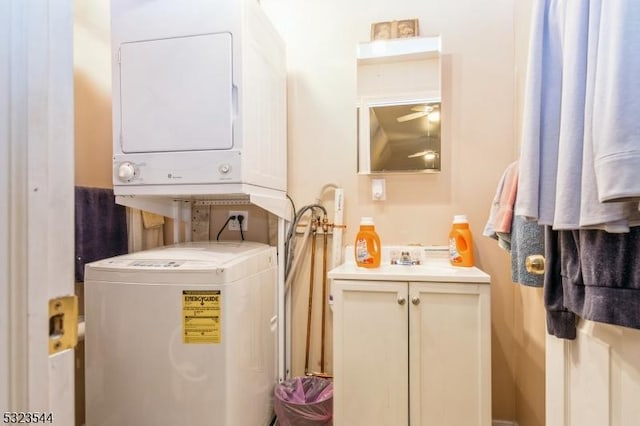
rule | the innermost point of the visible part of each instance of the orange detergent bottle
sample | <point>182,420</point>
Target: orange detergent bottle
<point>460,242</point>
<point>367,248</point>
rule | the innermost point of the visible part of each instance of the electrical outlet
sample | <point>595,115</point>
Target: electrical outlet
<point>234,225</point>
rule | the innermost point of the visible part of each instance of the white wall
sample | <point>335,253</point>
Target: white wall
<point>479,93</point>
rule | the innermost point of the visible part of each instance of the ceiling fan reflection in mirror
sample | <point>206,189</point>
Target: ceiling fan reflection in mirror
<point>428,155</point>
<point>431,111</point>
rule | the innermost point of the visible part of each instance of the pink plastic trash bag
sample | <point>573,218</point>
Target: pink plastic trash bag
<point>304,401</point>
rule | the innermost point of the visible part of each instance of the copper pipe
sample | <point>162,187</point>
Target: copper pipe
<point>319,374</point>
<point>325,231</point>
<point>311,273</point>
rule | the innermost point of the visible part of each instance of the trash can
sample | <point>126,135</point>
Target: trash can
<point>304,401</point>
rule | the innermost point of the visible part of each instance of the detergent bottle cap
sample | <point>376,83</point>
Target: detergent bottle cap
<point>366,221</point>
<point>460,218</point>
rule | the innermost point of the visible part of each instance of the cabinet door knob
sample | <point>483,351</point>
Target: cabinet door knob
<point>415,300</point>
<point>401,300</point>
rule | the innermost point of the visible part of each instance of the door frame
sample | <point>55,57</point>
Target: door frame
<point>36,198</point>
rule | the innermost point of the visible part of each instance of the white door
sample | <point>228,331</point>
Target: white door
<point>36,202</point>
<point>594,380</point>
<point>370,353</point>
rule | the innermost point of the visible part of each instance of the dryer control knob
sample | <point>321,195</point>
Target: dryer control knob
<point>224,168</point>
<point>126,171</point>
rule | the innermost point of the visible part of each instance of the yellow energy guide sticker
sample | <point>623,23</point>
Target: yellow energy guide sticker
<point>201,316</point>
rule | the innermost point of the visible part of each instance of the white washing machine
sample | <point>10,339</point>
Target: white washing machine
<point>182,335</point>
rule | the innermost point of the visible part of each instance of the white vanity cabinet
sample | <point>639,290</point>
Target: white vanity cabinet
<point>412,346</point>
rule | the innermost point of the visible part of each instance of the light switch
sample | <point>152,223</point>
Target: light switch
<point>378,189</point>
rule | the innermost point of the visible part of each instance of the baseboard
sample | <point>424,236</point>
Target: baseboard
<point>503,423</point>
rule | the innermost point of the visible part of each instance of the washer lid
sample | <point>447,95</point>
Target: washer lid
<point>202,255</point>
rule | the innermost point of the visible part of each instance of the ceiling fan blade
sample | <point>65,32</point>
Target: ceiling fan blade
<point>411,116</point>
<point>421,108</point>
<point>428,155</point>
<point>417,154</point>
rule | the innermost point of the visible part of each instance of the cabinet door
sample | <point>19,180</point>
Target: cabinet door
<point>450,354</point>
<point>370,321</point>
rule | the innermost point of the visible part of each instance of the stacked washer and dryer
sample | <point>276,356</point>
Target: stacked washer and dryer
<point>186,334</point>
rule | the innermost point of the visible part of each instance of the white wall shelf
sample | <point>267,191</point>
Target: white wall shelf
<point>394,50</point>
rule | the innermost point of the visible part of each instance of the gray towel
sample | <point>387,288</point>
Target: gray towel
<point>100,227</point>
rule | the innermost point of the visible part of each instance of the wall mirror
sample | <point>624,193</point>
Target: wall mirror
<point>399,136</point>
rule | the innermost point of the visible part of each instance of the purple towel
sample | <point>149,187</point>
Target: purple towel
<point>100,227</point>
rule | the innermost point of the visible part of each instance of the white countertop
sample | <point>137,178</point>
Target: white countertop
<point>433,266</point>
